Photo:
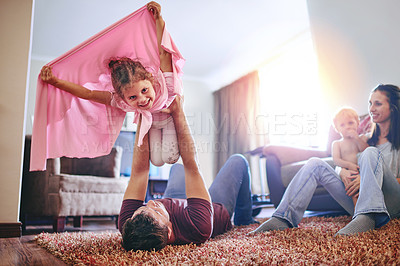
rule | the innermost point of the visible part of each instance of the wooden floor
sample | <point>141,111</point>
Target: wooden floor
<point>25,251</point>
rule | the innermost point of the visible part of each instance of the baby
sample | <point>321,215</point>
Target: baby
<point>345,150</point>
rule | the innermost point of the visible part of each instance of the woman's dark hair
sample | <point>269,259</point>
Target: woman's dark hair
<point>392,92</point>
<point>142,232</point>
<point>125,71</point>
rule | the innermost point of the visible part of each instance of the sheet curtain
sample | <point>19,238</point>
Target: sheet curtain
<point>237,113</point>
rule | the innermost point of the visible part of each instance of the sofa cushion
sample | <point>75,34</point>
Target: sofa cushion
<point>104,166</point>
<point>92,184</point>
<point>83,204</point>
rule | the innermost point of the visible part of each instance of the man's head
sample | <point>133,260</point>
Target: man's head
<point>148,229</point>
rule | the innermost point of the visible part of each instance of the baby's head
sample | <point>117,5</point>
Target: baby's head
<point>132,82</point>
<point>346,119</point>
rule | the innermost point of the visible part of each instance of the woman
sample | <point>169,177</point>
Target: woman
<point>376,185</point>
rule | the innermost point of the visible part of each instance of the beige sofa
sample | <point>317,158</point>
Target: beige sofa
<point>72,187</point>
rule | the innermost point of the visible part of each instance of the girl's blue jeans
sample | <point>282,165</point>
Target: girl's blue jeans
<point>379,192</point>
<point>231,187</point>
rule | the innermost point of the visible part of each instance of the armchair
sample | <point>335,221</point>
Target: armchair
<point>72,187</point>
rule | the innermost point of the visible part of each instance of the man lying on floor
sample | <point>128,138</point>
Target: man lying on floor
<point>188,213</point>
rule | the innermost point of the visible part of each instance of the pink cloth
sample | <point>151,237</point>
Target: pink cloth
<point>65,125</point>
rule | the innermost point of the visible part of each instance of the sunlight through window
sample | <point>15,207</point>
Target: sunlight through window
<point>292,106</point>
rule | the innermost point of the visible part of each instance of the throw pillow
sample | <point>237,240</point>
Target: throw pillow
<point>105,166</point>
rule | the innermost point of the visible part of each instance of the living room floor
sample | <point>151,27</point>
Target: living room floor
<point>24,250</point>
<point>93,224</point>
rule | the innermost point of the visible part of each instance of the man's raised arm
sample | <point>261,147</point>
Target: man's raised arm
<point>195,185</point>
<point>140,170</point>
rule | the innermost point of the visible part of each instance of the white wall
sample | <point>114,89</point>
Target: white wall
<point>36,65</point>
<point>15,26</point>
<point>198,104</point>
<point>357,43</point>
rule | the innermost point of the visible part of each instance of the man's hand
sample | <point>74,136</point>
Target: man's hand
<point>137,185</point>
<point>176,107</point>
<point>194,182</point>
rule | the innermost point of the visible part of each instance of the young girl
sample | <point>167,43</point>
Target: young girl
<point>345,151</point>
<point>133,88</point>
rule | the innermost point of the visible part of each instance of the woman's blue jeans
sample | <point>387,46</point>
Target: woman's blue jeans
<point>231,187</point>
<point>379,191</point>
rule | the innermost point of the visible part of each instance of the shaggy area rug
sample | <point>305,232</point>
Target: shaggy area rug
<point>311,243</point>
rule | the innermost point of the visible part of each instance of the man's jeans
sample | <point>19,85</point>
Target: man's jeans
<point>379,191</point>
<point>231,187</point>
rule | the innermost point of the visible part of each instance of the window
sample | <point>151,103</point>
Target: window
<point>292,107</point>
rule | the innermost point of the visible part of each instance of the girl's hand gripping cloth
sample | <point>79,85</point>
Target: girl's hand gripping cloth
<point>65,125</point>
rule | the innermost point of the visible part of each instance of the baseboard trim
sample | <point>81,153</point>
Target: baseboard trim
<point>10,230</point>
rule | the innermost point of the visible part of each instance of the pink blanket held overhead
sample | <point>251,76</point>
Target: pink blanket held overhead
<point>66,125</point>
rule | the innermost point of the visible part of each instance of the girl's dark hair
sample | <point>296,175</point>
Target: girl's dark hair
<point>142,232</point>
<point>125,71</point>
<point>392,92</point>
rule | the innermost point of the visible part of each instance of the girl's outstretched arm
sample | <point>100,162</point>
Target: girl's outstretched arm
<point>47,76</point>
<point>165,56</point>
